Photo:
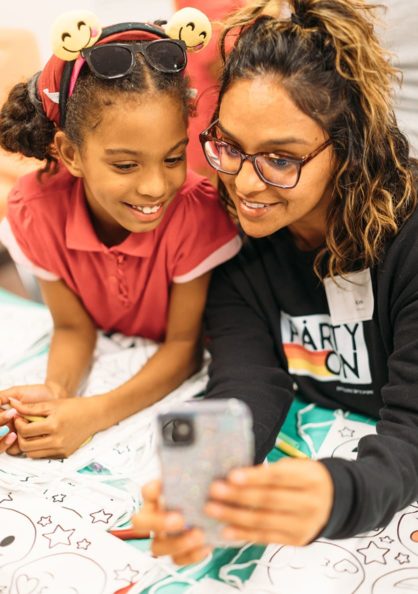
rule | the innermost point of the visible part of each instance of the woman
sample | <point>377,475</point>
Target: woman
<point>323,298</point>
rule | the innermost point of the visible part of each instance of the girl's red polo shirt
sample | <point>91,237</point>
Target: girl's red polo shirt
<point>125,287</point>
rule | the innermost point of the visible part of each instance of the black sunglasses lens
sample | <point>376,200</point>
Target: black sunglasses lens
<point>111,61</point>
<point>166,56</point>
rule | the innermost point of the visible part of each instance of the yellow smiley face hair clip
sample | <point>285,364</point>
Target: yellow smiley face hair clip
<point>190,26</point>
<point>74,31</point>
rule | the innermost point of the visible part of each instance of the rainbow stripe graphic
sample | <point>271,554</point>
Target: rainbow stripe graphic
<point>303,362</point>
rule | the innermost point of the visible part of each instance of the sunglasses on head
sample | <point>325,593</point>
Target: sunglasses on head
<point>115,60</point>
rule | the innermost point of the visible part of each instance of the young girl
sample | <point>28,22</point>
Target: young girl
<point>323,298</point>
<point>119,235</point>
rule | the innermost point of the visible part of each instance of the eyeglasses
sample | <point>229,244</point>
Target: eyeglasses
<point>272,168</point>
<point>115,60</point>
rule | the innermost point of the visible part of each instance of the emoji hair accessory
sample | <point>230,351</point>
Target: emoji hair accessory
<point>77,38</point>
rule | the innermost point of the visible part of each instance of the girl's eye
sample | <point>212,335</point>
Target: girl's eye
<point>124,166</point>
<point>173,161</point>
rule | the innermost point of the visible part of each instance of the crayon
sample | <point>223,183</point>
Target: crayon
<point>287,448</point>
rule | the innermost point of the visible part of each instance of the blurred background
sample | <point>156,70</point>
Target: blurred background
<point>38,16</point>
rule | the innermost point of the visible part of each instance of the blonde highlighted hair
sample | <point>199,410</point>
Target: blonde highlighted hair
<point>327,56</point>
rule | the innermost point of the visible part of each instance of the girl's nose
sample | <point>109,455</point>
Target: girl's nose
<point>151,184</point>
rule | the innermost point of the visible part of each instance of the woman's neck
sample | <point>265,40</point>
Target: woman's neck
<point>308,238</point>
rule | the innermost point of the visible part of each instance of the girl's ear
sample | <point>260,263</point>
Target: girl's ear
<point>68,153</point>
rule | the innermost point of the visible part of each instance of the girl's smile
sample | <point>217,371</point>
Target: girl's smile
<point>146,213</point>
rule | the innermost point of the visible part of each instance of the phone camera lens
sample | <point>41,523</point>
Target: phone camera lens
<point>182,430</point>
<point>178,431</point>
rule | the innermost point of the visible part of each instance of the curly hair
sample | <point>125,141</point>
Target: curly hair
<point>329,60</point>
<point>23,129</point>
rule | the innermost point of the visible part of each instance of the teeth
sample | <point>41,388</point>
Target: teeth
<point>254,204</point>
<point>147,209</point>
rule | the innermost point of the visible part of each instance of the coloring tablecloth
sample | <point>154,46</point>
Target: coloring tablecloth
<point>120,459</point>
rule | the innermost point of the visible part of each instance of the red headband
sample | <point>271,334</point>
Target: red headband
<point>50,78</point>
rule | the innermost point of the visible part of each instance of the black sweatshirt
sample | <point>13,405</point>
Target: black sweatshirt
<point>267,313</point>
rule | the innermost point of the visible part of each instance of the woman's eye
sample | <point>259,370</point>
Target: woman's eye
<point>228,150</point>
<point>280,162</point>
<point>171,161</point>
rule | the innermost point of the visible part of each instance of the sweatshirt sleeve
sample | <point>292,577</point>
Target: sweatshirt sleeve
<point>245,364</point>
<point>384,478</point>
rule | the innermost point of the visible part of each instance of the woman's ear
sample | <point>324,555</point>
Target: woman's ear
<point>68,153</point>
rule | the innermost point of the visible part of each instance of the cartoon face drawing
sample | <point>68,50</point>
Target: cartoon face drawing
<point>401,581</point>
<point>408,531</point>
<point>191,26</point>
<point>66,573</point>
<point>320,567</point>
<point>17,535</point>
<point>74,31</point>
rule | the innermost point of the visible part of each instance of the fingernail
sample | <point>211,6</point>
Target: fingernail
<point>237,476</point>
<point>228,533</point>
<point>219,488</point>
<point>197,537</point>
<point>15,401</point>
<point>10,413</point>
<point>173,521</point>
<point>211,509</point>
<point>4,430</point>
<point>10,438</point>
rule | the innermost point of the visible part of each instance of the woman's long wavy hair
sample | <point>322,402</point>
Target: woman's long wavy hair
<point>326,55</point>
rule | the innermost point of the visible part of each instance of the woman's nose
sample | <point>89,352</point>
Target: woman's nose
<point>247,180</point>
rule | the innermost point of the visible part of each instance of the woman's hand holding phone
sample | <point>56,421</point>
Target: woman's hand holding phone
<point>288,502</point>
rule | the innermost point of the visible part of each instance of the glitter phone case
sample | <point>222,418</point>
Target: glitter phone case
<point>197,443</point>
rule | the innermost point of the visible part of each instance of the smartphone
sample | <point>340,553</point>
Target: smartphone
<point>197,443</point>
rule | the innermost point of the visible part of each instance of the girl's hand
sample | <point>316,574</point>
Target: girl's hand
<point>288,502</point>
<point>30,393</point>
<point>62,425</point>
<point>7,435</point>
<point>170,536</point>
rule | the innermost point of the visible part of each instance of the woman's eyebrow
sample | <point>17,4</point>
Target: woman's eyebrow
<point>271,141</point>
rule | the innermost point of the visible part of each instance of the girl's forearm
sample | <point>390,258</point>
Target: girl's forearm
<point>70,357</point>
<point>171,365</point>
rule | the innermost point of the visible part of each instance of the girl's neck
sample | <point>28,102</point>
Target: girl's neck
<point>109,233</point>
<point>110,236</point>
